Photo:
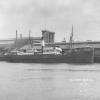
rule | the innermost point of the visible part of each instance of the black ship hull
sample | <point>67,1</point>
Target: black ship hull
<point>72,57</point>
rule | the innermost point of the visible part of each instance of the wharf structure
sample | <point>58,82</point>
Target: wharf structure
<point>49,39</point>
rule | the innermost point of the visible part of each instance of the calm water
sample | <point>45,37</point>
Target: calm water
<point>20,81</point>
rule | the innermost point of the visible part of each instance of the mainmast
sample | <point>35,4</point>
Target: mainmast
<point>71,39</point>
<point>29,35</point>
<point>30,40</point>
<point>16,39</point>
<point>16,35</point>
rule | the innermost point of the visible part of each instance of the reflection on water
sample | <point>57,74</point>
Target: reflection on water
<point>49,82</point>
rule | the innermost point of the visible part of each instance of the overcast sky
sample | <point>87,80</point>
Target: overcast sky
<point>54,15</point>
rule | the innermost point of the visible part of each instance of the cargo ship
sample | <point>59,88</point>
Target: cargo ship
<point>50,54</point>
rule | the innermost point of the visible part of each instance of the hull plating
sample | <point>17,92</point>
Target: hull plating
<point>79,57</point>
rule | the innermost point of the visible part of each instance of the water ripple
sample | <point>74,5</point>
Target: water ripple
<point>72,70</point>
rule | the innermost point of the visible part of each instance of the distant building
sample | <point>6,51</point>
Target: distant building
<point>48,36</point>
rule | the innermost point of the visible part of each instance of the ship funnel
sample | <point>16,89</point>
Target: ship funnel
<point>42,42</point>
